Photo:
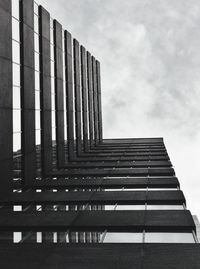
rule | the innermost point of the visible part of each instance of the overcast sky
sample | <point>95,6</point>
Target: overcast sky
<point>150,58</point>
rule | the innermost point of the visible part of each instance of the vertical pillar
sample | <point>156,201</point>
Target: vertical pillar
<point>69,95</point>
<point>27,91</point>
<point>90,99</point>
<point>6,143</point>
<point>58,57</point>
<point>77,97</point>
<point>84,99</point>
<point>99,102</point>
<point>45,90</point>
<point>95,103</point>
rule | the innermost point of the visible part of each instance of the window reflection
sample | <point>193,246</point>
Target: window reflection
<point>17,237</point>
<point>15,52</point>
<point>169,238</point>
<point>16,74</point>
<point>16,98</point>
<point>165,207</point>
<point>15,8</point>
<point>15,29</point>
<point>16,142</point>
<point>16,120</point>
<point>123,237</point>
<point>130,207</point>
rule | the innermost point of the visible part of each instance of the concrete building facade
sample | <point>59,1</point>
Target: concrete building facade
<point>70,198</point>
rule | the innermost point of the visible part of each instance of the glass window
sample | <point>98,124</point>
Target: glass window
<point>37,64</point>
<point>130,207</point>
<point>52,86</point>
<point>39,208</point>
<point>36,41</point>
<point>51,31</point>
<point>37,100</point>
<point>162,189</point>
<point>16,74</point>
<point>15,52</point>
<point>37,119</point>
<point>112,189</point>
<point>38,137</point>
<point>52,52</point>
<point>16,120</point>
<point>35,8</point>
<point>53,119</point>
<point>55,237</point>
<point>16,97</point>
<point>53,135</point>
<point>39,237</point>
<point>17,237</point>
<point>169,238</point>
<point>123,238</point>
<point>15,8</point>
<point>165,207</point>
<point>52,68</point>
<point>141,189</point>
<point>37,81</point>
<point>17,208</point>
<point>108,207</point>
<point>15,29</point>
<point>36,29</point>
<point>125,189</point>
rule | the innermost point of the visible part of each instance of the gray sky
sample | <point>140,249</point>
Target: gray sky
<point>150,59</point>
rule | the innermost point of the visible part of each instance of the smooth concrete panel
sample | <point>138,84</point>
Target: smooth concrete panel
<point>77,90</point>
<point>26,9</point>
<point>45,90</point>
<point>100,123</point>
<point>27,91</point>
<point>95,101</point>
<point>6,119</point>
<point>179,220</point>
<point>90,98</point>
<point>59,93</point>
<point>28,86</point>
<point>6,5</point>
<point>6,83</point>
<point>5,32</point>
<point>98,256</point>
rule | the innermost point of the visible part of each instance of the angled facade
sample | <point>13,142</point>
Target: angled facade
<point>70,198</point>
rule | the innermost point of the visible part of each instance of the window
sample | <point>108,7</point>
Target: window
<point>165,207</point>
<point>17,237</point>
<point>15,8</point>
<point>108,207</point>
<point>15,52</point>
<point>16,120</point>
<point>37,100</point>
<point>122,238</point>
<point>15,29</point>
<point>37,61</point>
<point>16,142</point>
<point>16,74</point>
<point>162,189</point>
<point>16,98</point>
<point>169,238</point>
<point>17,208</point>
<point>37,81</point>
<point>130,207</point>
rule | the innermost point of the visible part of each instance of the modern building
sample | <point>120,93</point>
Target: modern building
<point>68,197</point>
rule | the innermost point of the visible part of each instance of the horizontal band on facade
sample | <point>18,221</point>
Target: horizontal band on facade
<point>129,221</point>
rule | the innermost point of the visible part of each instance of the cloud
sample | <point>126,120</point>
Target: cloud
<point>149,51</point>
